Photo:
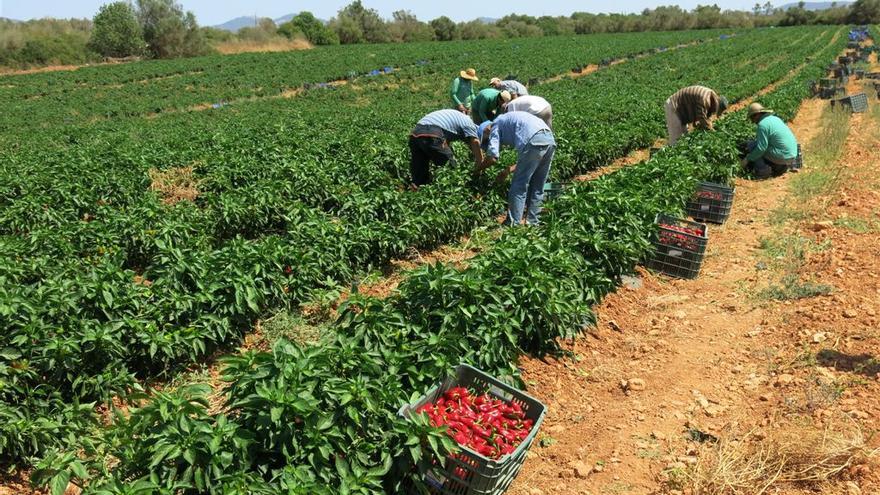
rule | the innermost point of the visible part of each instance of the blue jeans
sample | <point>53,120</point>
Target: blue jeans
<point>532,168</point>
<point>764,168</point>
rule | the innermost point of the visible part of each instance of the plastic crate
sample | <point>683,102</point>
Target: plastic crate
<point>858,103</point>
<point>711,202</point>
<point>678,254</point>
<point>554,189</point>
<point>798,162</point>
<point>469,473</point>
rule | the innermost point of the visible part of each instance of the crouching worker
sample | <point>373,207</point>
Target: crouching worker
<point>693,105</point>
<point>429,142</point>
<point>774,149</point>
<point>535,145</point>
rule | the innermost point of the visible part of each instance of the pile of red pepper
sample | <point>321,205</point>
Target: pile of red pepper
<point>675,235</point>
<point>486,425</point>
<point>717,196</point>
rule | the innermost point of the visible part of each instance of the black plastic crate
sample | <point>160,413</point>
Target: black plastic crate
<point>829,93</point>
<point>711,202</point>
<point>678,254</point>
<point>858,103</point>
<point>553,190</point>
<point>469,473</point>
<point>798,162</point>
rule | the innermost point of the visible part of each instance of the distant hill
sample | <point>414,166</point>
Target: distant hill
<point>487,20</point>
<point>9,20</point>
<point>239,22</point>
<point>235,24</point>
<point>816,5</point>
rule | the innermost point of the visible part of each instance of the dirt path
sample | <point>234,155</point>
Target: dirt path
<point>674,358</point>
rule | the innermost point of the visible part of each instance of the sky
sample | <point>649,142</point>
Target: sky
<point>212,12</point>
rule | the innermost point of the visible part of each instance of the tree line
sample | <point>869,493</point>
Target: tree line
<point>162,29</point>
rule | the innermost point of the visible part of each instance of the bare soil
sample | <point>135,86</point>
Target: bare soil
<point>675,357</point>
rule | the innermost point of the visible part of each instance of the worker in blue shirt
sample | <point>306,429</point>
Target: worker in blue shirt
<point>535,146</point>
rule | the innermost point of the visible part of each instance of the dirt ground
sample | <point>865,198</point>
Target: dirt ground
<point>675,364</point>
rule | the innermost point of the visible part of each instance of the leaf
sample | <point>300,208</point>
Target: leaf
<point>59,483</point>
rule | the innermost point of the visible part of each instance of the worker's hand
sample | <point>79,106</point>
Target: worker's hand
<point>462,109</point>
<point>502,176</point>
<point>487,162</point>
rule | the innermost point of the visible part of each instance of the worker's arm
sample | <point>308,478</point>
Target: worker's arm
<point>455,99</point>
<point>477,152</point>
<point>703,121</point>
<point>493,152</point>
<point>762,142</point>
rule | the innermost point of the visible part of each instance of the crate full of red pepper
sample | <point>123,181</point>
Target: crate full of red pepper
<point>679,247</point>
<point>493,424</point>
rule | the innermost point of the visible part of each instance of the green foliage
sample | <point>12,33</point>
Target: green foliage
<point>864,12</point>
<point>302,202</point>
<point>168,30</point>
<point>356,24</point>
<point>312,28</point>
<point>116,32</point>
<point>45,41</point>
<point>444,28</point>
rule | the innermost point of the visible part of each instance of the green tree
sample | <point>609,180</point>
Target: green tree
<point>116,32</point>
<point>371,27</point>
<point>312,28</point>
<point>168,30</point>
<point>444,28</point>
<point>347,30</point>
<point>406,27</point>
<point>865,12</point>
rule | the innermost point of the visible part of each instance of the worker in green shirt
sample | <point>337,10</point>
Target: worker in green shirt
<point>774,149</point>
<point>488,104</point>
<point>463,90</point>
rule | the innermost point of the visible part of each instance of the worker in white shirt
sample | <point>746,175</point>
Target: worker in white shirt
<point>535,105</point>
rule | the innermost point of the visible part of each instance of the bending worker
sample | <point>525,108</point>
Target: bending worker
<point>515,88</point>
<point>488,104</point>
<point>535,146</point>
<point>429,142</point>
<point>535,105</point>
<point>774,149</point>
<point>692,105</point>
<point>462,91</point>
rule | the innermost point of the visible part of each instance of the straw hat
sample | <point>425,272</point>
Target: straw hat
<point>470,74</point>
<point>757,108</point>
<point>505,96</point>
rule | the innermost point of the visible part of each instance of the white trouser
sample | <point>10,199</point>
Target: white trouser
<point>674,126</point>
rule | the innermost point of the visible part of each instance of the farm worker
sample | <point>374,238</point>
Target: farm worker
<point>692,105</point>
<point>429,142</point>
<point>463,90</point>
<point>774,149</point>
<point>535,145</point>
<point>535,105</point>
<point>515,88</point>
<point>488,104</point>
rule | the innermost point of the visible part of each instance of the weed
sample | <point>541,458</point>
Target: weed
<point>290,326</point>
<point>796,451</point>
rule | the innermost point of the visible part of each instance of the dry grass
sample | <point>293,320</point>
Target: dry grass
<point>244,46</point>
<point>789,453</point>
<point>174,184</point>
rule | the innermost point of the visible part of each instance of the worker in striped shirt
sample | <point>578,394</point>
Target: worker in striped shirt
<point>515,88</point>
<point>693,105</point>
<point>429,143</point>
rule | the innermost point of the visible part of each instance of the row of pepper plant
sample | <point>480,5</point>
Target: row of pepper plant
<point>322,418</point>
